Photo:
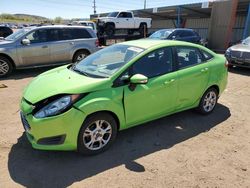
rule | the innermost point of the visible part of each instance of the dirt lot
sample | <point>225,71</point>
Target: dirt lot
<point>182,150</point>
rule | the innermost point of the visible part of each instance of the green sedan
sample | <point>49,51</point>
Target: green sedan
<point>83,106</point>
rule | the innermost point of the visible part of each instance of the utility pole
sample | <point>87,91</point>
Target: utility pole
<point>145,2</point>
<point>94,6</point>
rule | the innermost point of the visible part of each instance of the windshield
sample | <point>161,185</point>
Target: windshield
<point>246,41</point>
<point>112,14</point>
<point>107,61</point>
<point>18,34</point>
<point>161,34</point>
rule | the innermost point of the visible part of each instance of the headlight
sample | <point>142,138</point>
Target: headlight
<point>228,53</point>
<point>56,107</point>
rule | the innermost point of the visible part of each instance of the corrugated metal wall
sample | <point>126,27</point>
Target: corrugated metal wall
<point>161,24</point>
<point>200,25</point>
<point>238,28</point>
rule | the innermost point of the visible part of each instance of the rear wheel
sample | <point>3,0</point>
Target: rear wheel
<point>97,134</point>
<point>80,55</point>
<point>6,67</point>
<point>143,29</point>
<point>208,101</point>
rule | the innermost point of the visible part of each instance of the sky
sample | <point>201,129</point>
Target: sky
<point>80,8</point>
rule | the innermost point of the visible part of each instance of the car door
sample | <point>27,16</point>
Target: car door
<point>61,44</point>
<point>159,95</point>
<point>193,74</point>
<point>37,52</point>
<point>124,20</point>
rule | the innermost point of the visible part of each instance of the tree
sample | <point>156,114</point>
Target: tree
<point>58,20</point>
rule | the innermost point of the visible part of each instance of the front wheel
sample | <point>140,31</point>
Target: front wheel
<point>97,134</point>
<point>208,101</point>
<point>5,67</point>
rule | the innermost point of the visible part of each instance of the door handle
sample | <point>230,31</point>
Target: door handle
<point>127,19</point>
<point>204,70</point>
<point>44,46</point>
<point>72,43</point>
<point>169,82</point>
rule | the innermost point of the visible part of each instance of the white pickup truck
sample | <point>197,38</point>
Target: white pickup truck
<point>122,20</point>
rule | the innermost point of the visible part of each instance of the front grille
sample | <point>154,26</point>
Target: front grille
<point>240,55</point>
<point>25,122</point>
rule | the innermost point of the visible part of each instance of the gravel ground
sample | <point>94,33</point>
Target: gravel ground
<point>182,150</point>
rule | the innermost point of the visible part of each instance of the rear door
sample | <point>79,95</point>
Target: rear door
<point>159,95</point>
<point>38,52</point>
<point>193,75</point>
<point>61,43</point>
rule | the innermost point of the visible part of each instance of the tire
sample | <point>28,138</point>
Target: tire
<point>80,55</point>
<point>208,101</point>
<point>6,67</point>
<point>141,29</point>
<point>110,30</point>
<point>97,134</point>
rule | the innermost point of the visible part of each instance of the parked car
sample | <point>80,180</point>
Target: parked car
<point>45,46</point>
<point>182,34</point>
<point>5,31</point>
<point>239,54</point>
<point>82,106</point>
<point>123,20</point>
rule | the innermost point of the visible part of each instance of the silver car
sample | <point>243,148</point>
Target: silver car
<point>239,54</point>
<point>44,46</point>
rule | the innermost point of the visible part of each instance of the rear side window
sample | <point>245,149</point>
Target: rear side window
<point>188,56</point>
<point>65,34</point>
<point>207,55</point>
<point>53,34</point>
<point>186,34</point>
<point>80,34</point>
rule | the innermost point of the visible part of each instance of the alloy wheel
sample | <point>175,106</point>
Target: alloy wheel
<point>4,67</point>
<point>209,101</point>
<point>97,135</point>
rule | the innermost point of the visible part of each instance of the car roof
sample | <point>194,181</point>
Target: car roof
<point>57,26</point>
<point>149,43</point>
<point>176,29</point>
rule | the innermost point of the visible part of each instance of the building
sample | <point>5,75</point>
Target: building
<point>222,22</point>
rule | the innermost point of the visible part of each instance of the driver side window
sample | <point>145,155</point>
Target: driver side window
<point>155,63</point>
<point>37,36</point>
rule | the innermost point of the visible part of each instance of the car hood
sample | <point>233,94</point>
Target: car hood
<point>240,47</point>
<point>5,43</point>
<point>61,81</point>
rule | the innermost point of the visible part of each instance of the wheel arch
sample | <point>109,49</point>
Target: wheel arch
<point>78,50</point>
<point>108,112</point>
<point>215,86</point>
<point>109,23</point>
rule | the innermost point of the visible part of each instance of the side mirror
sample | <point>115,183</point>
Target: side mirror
<point>138,79</point>
<point>173,37</point>
<point>26,42</point>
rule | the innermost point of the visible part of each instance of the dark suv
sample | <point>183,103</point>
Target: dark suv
<point>5,31</point>
<point>187,35</point>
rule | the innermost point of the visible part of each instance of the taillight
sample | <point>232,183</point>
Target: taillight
<point>97,43</point>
